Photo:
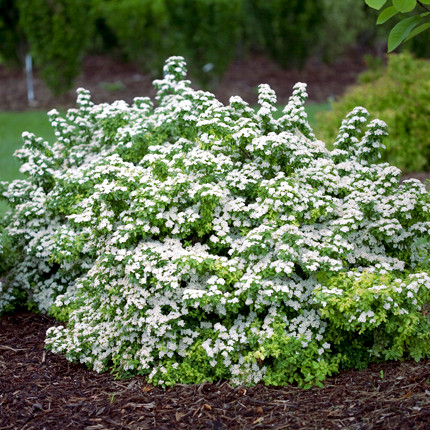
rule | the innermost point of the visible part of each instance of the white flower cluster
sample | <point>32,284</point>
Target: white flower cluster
<point>188,239</point>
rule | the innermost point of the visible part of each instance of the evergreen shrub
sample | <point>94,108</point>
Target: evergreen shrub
<point>204,32</point>
<point>399,95</point>
<point>190,241</point>
<point>289,28</point>
<point>141,30</point>
<point>210,33</point>
<point>12,41</point>
<point>58,33</point>
<point>345,23</point>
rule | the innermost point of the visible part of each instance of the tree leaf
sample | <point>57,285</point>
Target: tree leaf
<point>400,31</point>
<point>375,4</point>
<point>404,6</point>
<point>386,14</point>
<point>418,30</point>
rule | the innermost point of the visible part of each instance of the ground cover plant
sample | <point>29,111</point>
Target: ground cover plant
<point>191,241</point>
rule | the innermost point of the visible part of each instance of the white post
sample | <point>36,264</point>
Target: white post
<point>29,74</point>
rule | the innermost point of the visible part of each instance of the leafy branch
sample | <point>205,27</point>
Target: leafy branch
<point>408,27</point>
<point>423,5</point>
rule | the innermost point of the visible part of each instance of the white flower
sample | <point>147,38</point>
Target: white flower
<point>183,235</point>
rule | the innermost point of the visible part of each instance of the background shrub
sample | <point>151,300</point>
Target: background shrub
<point>12,40</point>
<point>289,29</point>
<point>345,23</point>
<point>141,29</point>
<point>209,33</point>
<point>399,95</point>
<point>211,30</point>
<point>205,32</point>
<point>59,34</point>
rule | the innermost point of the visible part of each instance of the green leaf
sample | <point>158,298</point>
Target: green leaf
<point>425,1</point>
<point>375,4</point>
<point>400,31</point>
<point>418,30</point>
<point>404,6</point>
<point>386,14</point>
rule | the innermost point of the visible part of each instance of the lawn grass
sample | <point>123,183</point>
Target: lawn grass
<point>312,110</point>
<point>12,124</point>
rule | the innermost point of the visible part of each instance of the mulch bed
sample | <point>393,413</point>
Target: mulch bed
<point>109,79</point>
<point>40,390</point>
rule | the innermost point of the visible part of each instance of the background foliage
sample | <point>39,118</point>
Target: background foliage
<point>58,34</point>
<point>208,33</point>
<point>413,18</point>
<point>147,31</point>
<point>399,95</point>
<point>345,23</point>
<point>289,29</point>
<point>12,40</point>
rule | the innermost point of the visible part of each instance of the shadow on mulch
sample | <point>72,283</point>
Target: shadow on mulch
<point>40,390</point>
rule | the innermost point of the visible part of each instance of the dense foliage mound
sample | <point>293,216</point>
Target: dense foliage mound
<point>399,95</point>
<point>192,241</point>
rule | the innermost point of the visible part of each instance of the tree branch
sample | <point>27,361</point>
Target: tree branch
<point>246,153</point>
<point>423,6</point>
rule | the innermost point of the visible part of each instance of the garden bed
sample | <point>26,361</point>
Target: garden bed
<point>109,79</point>
<point>43,390</point>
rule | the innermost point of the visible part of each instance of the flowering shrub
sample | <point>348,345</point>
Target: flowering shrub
<point>192,241</point>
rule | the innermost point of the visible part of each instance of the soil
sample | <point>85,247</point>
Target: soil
<point>40,390</point>
<point>109,79</point>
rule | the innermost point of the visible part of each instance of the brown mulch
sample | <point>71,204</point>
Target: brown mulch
<point>109,79</point>
<point>422,176</point>
<point>40,390</point>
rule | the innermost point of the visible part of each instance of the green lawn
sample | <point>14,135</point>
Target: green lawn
<point>12,124</point>
<point>313,109</point>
